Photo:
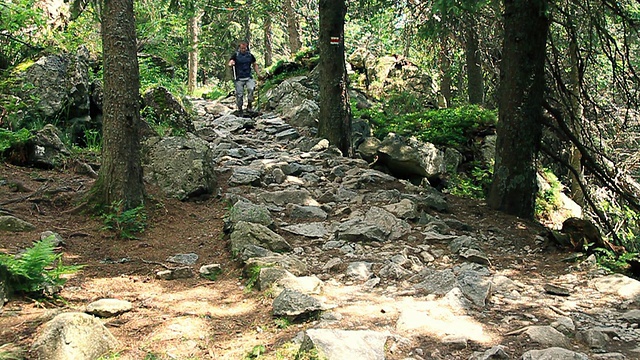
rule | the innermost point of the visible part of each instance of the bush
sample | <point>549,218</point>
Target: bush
<point>441,127</point>
<point>35,270</point>
<point>126,223</point>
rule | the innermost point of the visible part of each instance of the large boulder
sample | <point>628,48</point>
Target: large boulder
<point>383,75</point>
<point>183,167</point>
<point>161,105</point>
<point>56,87</point>
<point>73,336</point>
<point>410,158</point>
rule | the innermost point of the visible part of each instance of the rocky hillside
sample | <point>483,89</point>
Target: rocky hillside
<point>316,253</point>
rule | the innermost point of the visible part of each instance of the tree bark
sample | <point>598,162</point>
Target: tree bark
<point>475,83</point>
<point>335,113</point>
<point>120,176</point>
<point>577,178</point>
<point>445,73</point>
<point>292,27</point>
<point>268,41</point>
<point>519,129</point>
<point>193,30</point>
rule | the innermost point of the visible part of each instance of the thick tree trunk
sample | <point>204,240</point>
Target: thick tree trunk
<point>335,112</point>
<point>268,41</point>
<point>475,84</point>
<point>120,176</point>
<point>193,30</point>
<point>519,128</point>
<point>292,27</point>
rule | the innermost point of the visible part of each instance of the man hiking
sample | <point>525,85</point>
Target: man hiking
<point>241,62</point>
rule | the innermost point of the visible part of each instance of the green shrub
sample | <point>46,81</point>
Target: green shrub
<point>473,185</point>
<point>126,223</point>
<point>9,139</point>
<point>35,270</point>
<point>441,127</point>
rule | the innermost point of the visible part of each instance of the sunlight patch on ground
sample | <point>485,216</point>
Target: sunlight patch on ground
<point>408,315</point>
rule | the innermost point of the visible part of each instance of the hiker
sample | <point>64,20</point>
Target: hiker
<point>241,62</point>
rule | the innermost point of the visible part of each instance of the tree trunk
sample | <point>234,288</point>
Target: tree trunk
<point>445,73</point>
<point>408,29</point>
<point>292,27</point>
<point>519,128</point>
<point>475,84</point>
<point>268,42</point>
<point>335,113</point>
<point>247,21</point>
<point>120,177</point>
<point>577,110</point>
<point>193,30</point>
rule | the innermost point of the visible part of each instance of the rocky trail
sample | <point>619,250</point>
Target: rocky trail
<point>341,259</point>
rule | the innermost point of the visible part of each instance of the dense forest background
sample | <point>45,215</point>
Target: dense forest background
<point>559,77</point>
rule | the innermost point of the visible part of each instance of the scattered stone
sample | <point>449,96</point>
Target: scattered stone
<point>184,259</point>
<point>211,271</point>
<point>14,224</point>
<point>106,308</point>
<point>296,305</point>
<point>553,353</point>
<point>556,290</point>
<point>547,336</point>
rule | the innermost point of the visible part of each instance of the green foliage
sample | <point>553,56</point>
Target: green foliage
<point>473,185</point>
<point>548,200</point>
<point>125,223</point>
<point>626,220</point>
<point>9,139</point>
<point>35,270</point>
<point>256,352</point>
<point>613,262</point>
<point>10,351</point>
<point>253,274</point>
<point>282,322</point>
<point>444,127</point>
<point>93,140</point>
<point>154,73</point>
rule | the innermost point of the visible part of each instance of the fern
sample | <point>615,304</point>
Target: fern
<point>35,270</point>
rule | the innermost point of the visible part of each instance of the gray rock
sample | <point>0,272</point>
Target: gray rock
<point>311,230</point>
<point>56,239</point>
<point>14,224</point>
<point>332,344</point>
<point>360,270</point>
<point>294,304</point>
<point>73,336</point>
<point>618,284</point>
<point>246,233</point>
<point>290,263</point>
<point>210,271</point>
<point>553,353</point>
<point>631,316</point>
<point>184,259</point>
<point>547,336</point>
<point>593,338</point>
<point>495,353</point>
<point>182,167</point>
<point>249,212</point>
<point>106,308</point>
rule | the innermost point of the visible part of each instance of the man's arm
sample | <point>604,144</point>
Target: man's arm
<point>232,61</point>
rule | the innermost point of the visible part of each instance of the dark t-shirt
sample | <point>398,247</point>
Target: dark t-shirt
<point>243,64</point>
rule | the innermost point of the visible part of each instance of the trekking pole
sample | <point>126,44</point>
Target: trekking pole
<point>235,77</point>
